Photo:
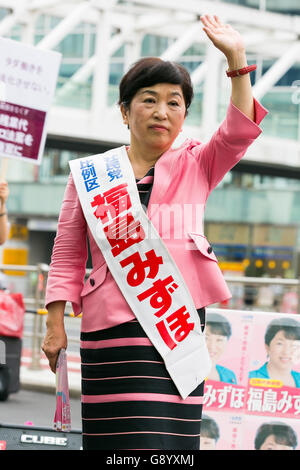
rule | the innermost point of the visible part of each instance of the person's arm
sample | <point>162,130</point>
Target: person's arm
<point>4,191</point>
<point>240,127</point>
<point>241,89</point>
<point>69,255</point>
<point>66,273</point>
<point>55,338</point>
<point>229,41</point>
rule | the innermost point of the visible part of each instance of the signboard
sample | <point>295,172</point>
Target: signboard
<point>254,384</point>
<point>274,235</point>
<point>228,234</point>
<point>28,78</point>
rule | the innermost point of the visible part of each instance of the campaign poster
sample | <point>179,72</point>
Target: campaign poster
<point>228,338</point>
<point>221,431</point>
<point>28,77</point>
<point>265,433</point>
<point>274,366</point>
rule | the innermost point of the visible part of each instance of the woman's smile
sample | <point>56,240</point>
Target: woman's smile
<point>285,360</point>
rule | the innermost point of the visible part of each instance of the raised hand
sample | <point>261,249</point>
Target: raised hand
<point>223,36</point>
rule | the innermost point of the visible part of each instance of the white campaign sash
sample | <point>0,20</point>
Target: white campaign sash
<point>141,265</point>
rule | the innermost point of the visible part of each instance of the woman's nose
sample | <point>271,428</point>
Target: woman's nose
<point>287,349</point>
<point>160,111</point>
<point>211,345</point>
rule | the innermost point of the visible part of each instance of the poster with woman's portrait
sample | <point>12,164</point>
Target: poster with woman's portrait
<point>226,333</point>
<point>274,366</point>
<point>221,431</point>
<point>265,433</point>
<point>228,338</point>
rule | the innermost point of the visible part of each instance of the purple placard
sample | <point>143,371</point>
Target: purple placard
<point>21,130</point>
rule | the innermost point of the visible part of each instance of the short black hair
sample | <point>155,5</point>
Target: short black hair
<point>209,428</point>
<point>218,324</point>
<point>282,433</point>
<point>149,71</point>
<point>289,326</point>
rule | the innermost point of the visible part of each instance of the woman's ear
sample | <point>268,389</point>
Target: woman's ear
<point>267,351</point>
<point>124,112</point>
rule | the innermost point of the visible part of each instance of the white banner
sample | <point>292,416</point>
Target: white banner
<point>141,265</point>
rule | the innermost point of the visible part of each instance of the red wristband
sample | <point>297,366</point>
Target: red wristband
<point>242,71</point>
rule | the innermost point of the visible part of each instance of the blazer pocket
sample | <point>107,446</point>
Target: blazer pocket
<point>95,280</point>
<point>203,245</point>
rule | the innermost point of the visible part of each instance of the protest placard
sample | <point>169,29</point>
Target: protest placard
<point>28,78</point>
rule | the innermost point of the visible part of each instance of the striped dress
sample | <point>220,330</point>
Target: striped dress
<point>129,401</point>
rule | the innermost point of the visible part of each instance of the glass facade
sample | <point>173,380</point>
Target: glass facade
<point>283,100</point>
<point>279,6</point>
<point>252,200</point>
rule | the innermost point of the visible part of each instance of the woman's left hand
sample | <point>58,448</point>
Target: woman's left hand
<point>223,36</point>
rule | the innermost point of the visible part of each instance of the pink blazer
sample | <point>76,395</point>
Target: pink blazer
<point>184,178</point>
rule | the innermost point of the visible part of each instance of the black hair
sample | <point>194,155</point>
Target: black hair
<point>209,428</point>
<point>218,324</point>
<point>289,326</point>
<point>282,433</point>
<point>149,71</point>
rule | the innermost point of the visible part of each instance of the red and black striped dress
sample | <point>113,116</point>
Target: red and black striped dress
<point>128,398</point>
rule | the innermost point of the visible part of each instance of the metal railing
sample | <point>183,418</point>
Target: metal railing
<point>35,305</point>
<point>266,281</point>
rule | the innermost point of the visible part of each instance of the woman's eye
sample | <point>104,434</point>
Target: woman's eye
<point>149,100</point>
<point>174,103</point>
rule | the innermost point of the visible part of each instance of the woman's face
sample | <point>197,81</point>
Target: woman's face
<point>155,116</point>
<point>216,344</point>
<point>207,443</point>
<point>284,353</point>
<point>271,444</point>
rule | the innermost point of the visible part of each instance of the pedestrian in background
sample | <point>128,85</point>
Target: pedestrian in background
<point>4,226</point>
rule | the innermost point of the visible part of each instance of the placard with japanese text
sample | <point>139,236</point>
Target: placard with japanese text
<point>28,78</point>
